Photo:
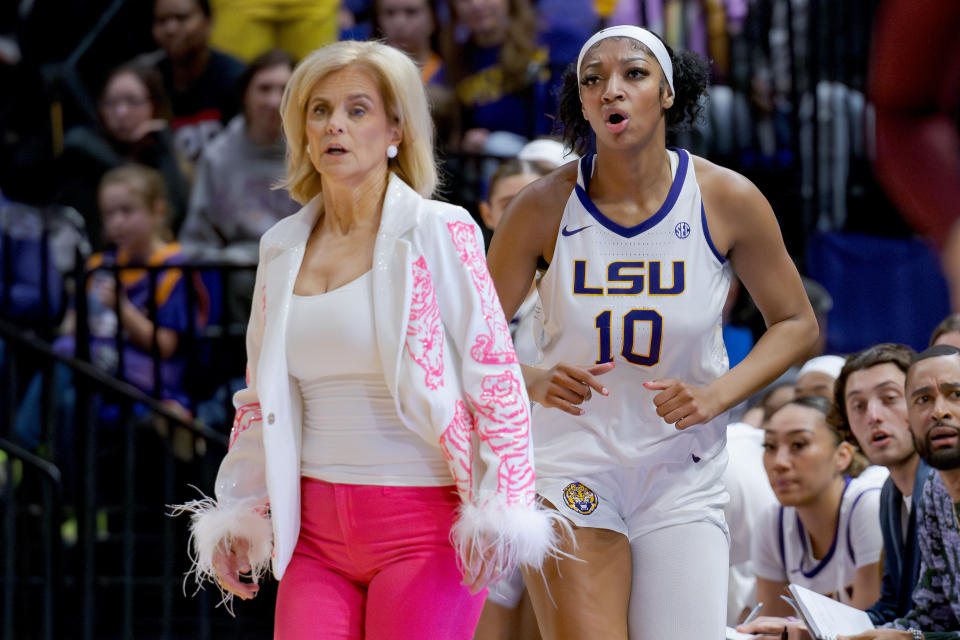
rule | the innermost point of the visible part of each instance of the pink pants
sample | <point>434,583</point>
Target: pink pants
<point>375,562</point>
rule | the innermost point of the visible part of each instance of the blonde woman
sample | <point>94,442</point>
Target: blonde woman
<point>385,415</point>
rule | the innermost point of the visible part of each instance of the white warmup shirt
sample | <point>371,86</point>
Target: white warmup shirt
<point>351,431</point>
<point>782,550</point>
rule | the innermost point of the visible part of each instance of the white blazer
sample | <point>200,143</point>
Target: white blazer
<point>448,361</point>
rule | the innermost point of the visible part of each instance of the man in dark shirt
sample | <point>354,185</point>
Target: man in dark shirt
<point>202,83</point>
<point>869,401</point>
<point>933,405</point>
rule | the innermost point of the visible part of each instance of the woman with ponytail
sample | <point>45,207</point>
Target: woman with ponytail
<point>641,241</point>
<point>504,68</point>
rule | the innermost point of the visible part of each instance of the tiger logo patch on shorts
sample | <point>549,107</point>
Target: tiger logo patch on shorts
<point>580,498</point>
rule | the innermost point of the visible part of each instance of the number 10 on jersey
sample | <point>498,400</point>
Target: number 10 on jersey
<point>631,327</point>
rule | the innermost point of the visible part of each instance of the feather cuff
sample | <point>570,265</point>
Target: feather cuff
<point>211,525</point>
<point>513,536</point>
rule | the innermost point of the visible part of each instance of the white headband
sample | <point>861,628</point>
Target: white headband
<point>639,34</point>
<point>829,365</point>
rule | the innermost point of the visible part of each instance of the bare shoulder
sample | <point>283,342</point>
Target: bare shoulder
<point>548,195</point>
<point>531,221</point>
<point>734,206</point>
<point>726,190</point>
<point>530,224</point>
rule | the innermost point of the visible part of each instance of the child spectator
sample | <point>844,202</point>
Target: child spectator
<point>134,127</point>
<point>134,206</point>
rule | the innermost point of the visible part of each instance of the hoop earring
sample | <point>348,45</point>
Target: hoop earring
<point>392,151</point>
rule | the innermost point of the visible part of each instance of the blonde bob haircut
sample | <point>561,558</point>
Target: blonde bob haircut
<point>404,98</point>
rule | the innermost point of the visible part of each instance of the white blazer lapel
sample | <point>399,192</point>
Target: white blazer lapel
<point>282,419</point>
<point>392,282</point>
<point>281,274</point>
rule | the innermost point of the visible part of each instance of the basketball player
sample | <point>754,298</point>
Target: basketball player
<point>640,241</point>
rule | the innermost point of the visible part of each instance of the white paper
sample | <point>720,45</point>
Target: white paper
<point>827,618</point>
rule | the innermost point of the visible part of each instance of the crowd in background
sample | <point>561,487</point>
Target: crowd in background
<point>158,144</point>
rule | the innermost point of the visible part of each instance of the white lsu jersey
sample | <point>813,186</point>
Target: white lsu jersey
<point>648,298</point>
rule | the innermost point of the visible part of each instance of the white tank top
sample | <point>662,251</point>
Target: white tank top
<point>648,298</point>
<point>351,431</point>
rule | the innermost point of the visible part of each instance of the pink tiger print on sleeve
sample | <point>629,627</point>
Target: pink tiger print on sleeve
<point>246,413</point>
<point>503,422</point>
<point>457,447</point>
<point>497,346</point>
<point>425,330</point>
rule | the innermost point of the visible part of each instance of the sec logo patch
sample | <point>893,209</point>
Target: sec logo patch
<point>682,230</point>
<point>580,498</point>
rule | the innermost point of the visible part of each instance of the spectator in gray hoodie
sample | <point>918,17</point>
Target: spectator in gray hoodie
<point>233,201</point>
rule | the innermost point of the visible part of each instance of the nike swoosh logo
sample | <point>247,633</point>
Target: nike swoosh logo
<point>567,232</point>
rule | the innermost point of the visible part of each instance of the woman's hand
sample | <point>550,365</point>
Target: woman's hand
<point>774,626</point>
<point>147,128</point>
<point>231,561</point>
<point>480,570</point>
<point>683,405</point>
<point>879,634</point>
<point>565,386</point>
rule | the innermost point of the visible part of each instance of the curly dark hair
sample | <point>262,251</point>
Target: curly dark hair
<point>690,74</point>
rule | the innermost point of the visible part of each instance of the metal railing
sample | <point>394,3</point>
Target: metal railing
<point>89,551</point>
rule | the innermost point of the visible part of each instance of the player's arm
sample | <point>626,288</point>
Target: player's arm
<point>866,586</point>
<point>769,592</point>
<point>745,228</point>
<point>526,233</point>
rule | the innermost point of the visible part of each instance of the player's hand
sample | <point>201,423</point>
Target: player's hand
<point>479,570</point>
<point>229,563</point>
<point>683,405</point>
<point>879,634</point>
<point>774,626</point>
<point>565,386</point>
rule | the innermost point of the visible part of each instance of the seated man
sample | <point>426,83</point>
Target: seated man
<point>869,402</point>
<point>933,405</point>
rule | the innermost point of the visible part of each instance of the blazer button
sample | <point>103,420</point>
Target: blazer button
<point>270,419</point>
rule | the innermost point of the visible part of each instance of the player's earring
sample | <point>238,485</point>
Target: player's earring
<point>308,149</point>
<point>392,151</point>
